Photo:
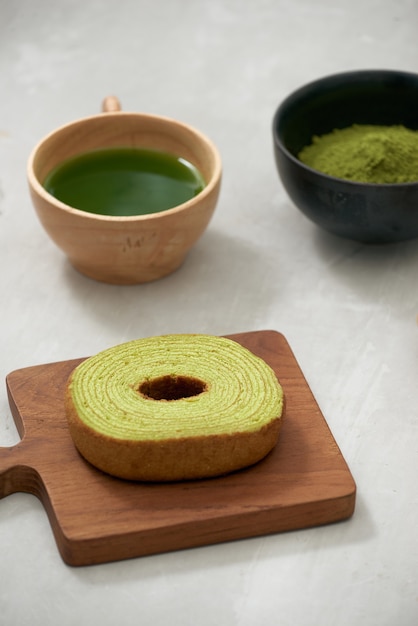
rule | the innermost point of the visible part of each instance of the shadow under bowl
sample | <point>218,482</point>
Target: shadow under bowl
<point>365,212</point>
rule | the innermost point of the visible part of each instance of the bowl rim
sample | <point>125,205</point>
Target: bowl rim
<point>36,186</point>
<point>349,75</point>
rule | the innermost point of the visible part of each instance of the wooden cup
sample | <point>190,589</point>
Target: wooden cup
<point>133,249</point>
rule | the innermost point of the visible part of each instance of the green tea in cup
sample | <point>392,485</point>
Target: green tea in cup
<point>123,181</point>
<point>115,229</point>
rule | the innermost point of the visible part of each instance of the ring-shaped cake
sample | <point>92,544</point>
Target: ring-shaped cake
<point>174,407</point>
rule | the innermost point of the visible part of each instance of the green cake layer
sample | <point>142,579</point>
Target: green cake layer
<point>175,386</point>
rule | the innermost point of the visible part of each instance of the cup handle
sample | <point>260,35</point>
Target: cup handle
<point>110,104</point>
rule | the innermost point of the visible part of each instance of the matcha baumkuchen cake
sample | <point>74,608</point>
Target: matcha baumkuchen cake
<point>174,407</point>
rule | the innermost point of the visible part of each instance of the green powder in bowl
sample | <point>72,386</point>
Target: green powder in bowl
<point>365,153</point>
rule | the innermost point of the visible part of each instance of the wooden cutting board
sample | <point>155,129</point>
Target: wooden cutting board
<point>96,518</point>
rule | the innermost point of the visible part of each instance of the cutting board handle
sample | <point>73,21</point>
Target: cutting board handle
<point>18,463</point>
<point>15,474</point>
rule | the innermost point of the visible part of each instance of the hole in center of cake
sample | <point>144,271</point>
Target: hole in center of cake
<point>172,387</point>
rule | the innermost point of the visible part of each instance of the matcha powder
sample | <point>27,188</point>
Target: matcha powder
<point>366,153</point>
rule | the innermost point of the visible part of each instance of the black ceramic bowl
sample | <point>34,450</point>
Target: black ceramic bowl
<point>370,213</point>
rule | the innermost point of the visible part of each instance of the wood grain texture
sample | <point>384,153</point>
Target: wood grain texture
<point>96,518</point>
